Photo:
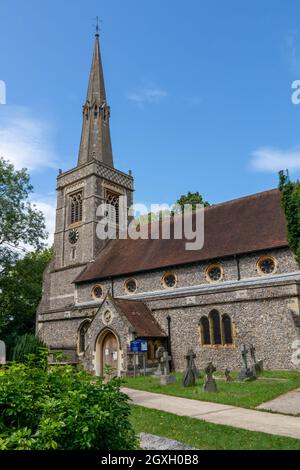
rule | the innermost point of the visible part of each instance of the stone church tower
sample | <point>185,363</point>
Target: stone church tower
<point>80,191</point>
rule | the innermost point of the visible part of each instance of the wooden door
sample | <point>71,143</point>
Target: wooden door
<point>110,351</point>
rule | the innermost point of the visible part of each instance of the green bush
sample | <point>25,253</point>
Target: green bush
<point>61,408</point>
<point>26,344</point>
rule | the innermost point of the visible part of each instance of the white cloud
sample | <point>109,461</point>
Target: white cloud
<point>269,160</point>
<point>25,140</point>
<point>48,207</point>
<point>147,95</point>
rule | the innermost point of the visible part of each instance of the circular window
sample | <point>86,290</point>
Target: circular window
<point>214,273</point>
<point>169,280</point>
<point>97,292</point>
<point>266,265</point>
<point>107,317</point>
<point>131,286</point>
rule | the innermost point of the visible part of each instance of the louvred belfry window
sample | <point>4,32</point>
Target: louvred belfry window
<point>76,208</point>
<point>112,200</point>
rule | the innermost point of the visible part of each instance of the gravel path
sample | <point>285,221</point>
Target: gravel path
<point>151,442</point>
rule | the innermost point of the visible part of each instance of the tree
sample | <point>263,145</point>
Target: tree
<point>20,222</point>
<point>25,345</point>
<point>290,201</point>
<point>191,198</point>
<point>20,293</point>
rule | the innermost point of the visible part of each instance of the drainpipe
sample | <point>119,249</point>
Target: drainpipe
<point>112,287</point>
<point>170,342</point>
<point>237,259</point>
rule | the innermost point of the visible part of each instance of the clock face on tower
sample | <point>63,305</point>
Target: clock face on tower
<point>73,236</point>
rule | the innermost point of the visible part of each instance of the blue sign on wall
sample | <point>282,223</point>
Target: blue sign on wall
<point>139,346</point>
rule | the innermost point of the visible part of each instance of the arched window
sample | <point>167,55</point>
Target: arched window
<point>76,208</point>
<point>215,327</point>
<point>226,329</point>
<point>205,332</point>
<point>82,335</point>
<point>112,201</point>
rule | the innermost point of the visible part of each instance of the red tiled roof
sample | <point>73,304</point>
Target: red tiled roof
<point>244,225</point>
<point>140,317</point>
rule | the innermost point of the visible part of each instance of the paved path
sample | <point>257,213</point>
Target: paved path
<point>219,414</point>
<point>288,403</point>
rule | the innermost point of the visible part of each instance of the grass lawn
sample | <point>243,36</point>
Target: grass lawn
<point>206,436</point>
<point>243,394</point>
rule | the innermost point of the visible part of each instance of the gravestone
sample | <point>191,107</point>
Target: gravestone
<point>210,383</point>
<point>246,372</point>
<point>258,364</point>
<point>2,353</point>
<point>166,378</point>
<point>158,355</point>
<point>228,377</point>
<point>191,374</point>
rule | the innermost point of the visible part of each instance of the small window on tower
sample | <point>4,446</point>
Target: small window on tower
<point>76,208</point>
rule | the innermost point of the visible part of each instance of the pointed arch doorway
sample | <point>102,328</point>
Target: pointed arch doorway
<point>107,352</point>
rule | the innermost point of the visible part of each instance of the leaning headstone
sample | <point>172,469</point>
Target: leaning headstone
<point>191,374</point>
<point>2,353</point>
<point>246,372</point>
<point>228,377</point>
<point>210,383</point>
<point>166,378</point>
<point>258,364</point>
<point>158,355</point>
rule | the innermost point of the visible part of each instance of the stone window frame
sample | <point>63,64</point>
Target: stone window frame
<point>163,280</point>
<point>205,331</point>
<point>212,330</point>
<point>264,258</point>
<point>209,268</point>
<point>112,190</point>
<point>106,321</point>
<point>79,219</point>
<point>130,279</point>
<point>214,319</point>
<point>81,333</point>
<point>93,292</point>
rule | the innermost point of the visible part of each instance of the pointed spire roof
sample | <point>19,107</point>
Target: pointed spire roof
<point>95,138</point>
<point>96,87</point>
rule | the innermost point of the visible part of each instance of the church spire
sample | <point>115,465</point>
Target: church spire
<point>95,138</point>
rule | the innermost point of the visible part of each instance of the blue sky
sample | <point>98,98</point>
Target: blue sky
<point>200,91</point>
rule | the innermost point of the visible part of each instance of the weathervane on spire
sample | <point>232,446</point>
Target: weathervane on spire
<point>97,25</point>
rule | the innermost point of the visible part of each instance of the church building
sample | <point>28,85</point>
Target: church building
<point>242,287</point>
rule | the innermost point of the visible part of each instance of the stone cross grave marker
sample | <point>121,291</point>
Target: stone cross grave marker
<point>228,377</point>
<point>246,372</point>
<point>158,355</point>
<point>166,378</point>
<point>2,353</point>
<point>210,383</point>
<point>257,364</point>
<point>191,373</point>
